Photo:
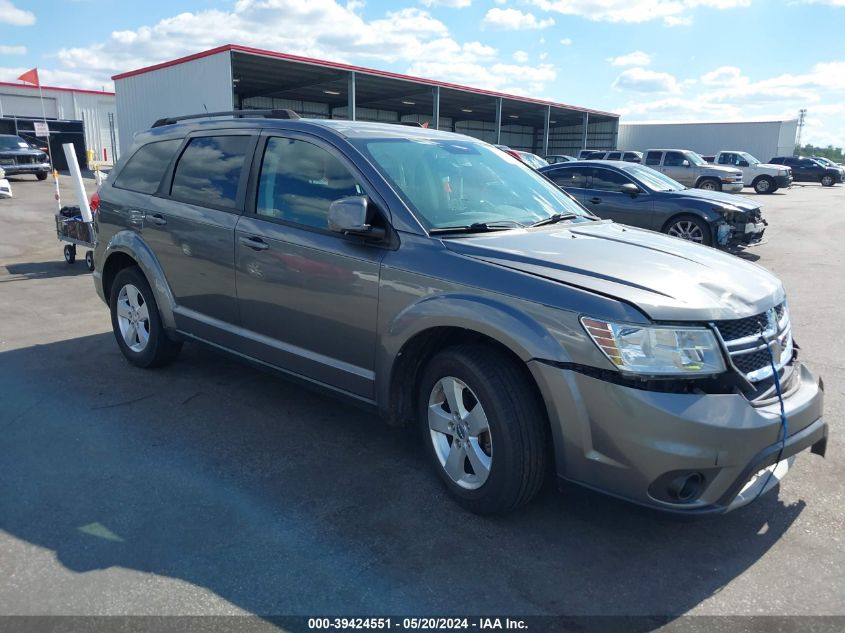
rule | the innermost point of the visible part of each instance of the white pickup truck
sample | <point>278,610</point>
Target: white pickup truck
<point>765,178</point>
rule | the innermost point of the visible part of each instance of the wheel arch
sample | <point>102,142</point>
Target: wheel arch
<point>128,249</point>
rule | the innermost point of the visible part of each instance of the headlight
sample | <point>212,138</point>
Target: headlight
<point>657,350</point>
<point>782,172</point>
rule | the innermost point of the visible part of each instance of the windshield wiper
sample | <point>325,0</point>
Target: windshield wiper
<point>554,219</point>
<point>477,227</point>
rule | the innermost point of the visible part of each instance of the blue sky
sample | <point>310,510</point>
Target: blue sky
<point>646,59</point>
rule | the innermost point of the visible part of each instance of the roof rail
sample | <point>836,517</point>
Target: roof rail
<point>267,114</point>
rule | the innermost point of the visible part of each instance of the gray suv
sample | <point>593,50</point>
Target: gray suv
<point>448,286</point>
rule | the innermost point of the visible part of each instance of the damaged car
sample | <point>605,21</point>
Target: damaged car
<point>640,196</point>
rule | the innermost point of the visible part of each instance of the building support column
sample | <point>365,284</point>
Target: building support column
<point>435,115</point>
<point>498,121</point>
<point>547,124</point>
<point>350,97</point>
<point>584,134</point>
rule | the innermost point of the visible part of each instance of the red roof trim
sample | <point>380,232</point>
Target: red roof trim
<point>370,71</point>
<point>31,87</point>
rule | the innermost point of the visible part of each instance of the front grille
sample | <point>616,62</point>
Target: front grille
<point>748,351</point>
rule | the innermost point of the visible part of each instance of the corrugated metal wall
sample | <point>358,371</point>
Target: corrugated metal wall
<point>760,139</point>
<point>186,88</point>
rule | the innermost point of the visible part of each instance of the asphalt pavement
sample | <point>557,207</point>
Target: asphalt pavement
<point>210,487</point>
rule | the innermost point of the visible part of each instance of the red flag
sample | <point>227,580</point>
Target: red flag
<point>30,76</point>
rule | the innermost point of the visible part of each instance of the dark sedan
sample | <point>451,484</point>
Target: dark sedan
<point>809,170</point>
<point>636,195</point>
<point>18,157</point>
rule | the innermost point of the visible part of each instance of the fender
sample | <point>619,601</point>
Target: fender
<point>130,243</point>
<point>502,322</point>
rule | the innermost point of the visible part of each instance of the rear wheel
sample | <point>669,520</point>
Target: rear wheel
<point>827,180</point>
<point>764,185</point>
<point>89,259</point>
<point>691,228</point>
<point>136,321</point>
<point>484,428</point>
<point>710,184</point>
<point>70,253</point>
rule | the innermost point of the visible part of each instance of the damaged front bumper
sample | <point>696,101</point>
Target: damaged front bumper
<point>742,233</point>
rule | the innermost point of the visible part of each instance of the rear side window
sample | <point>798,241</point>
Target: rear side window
<point>727,159</point>
<point>144,171</point>
<point>209,170</point>
<point>631,156</point>
<point>575,177</point>
<point>653,158</point>
<point>613,156</point>
<point>300,180</point>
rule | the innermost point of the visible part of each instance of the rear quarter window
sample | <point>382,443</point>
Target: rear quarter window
<point>209,171</point>
<point>145,169</point>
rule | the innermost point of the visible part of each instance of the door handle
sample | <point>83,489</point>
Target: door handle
<point>595,200</point>
<point>255,243</point>
<point>157,218</point>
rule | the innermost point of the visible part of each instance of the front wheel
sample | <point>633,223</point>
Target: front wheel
<point>765,185</point>
<point>89,259</point>
<point>691,228</point>
<point>70,253</point>
<point>710,184</point>
<point>827,180</point>
<point>136,321</point>
<point>484,428</point>
<point>41,176</point>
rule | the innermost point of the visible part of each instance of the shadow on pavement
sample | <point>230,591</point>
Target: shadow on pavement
<point>48,270</point>
<point>285,502</point>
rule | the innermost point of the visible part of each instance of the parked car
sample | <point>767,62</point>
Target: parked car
<point>591,154</point>
<point>17,157</point>
<point>489,308</point>
<point>640,196</point>
<point>829,163</point>
<point>554,159</point>
<point>5,187</point>
<point>690,169</point>
<point>808,170</point>
<point>763,177</point>
<point>532,160</point>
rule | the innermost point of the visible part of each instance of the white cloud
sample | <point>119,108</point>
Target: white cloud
<point>644,80</point>
<point>510,78</point>
<point>724,76</point>
<point>513,20</point>
<point>637,58</point>
<point>520,56</point>
<point>566,41</point>
<point>672,12</point>
<point>12,50</point>
<point>10,14</point>
<point>452,4</point>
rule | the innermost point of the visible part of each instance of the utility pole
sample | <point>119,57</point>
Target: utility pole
<point>802,114</point>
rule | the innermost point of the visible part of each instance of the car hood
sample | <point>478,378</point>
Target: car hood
<point>666,278</point>
<point>720,197</point>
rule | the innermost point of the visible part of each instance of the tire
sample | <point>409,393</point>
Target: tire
<point>827,181</point>
<point>508,441</point>
<point>70,253</point>
<point>765,185</point>
<point>41,176</point>
<point>89,260</point>
<point>709,184</point>
<point>689,227</point>
<point>150,345</point>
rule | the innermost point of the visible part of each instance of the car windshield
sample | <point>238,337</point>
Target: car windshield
<point>653,179</point>
<point>13,142</point>
<point>695,159</point>
<point>449,183</point>
<point>532,160</point>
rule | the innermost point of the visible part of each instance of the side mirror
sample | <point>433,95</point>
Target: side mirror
<point>352,216</point>
<point>685,163</point>
<point>630,189</point>
<point>743,163</point>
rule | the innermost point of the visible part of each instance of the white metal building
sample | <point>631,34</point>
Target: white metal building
<point>237,77</point>
<point>89,106</point>
<point>761,139</point>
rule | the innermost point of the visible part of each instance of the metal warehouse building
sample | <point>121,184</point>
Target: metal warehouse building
<point>761,139</point>
<point>236,77</point>
<point>20,105</point>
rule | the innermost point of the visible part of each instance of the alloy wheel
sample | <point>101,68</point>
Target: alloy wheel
<point>687,230</point>
<point>460,433</point>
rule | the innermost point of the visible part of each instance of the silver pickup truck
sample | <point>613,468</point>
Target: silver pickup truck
<point>690,169</point>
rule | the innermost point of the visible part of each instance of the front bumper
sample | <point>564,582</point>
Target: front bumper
<point>783,181</point>
<point>635,443</point>
<point>732,187</point>
<point>27,168</point>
